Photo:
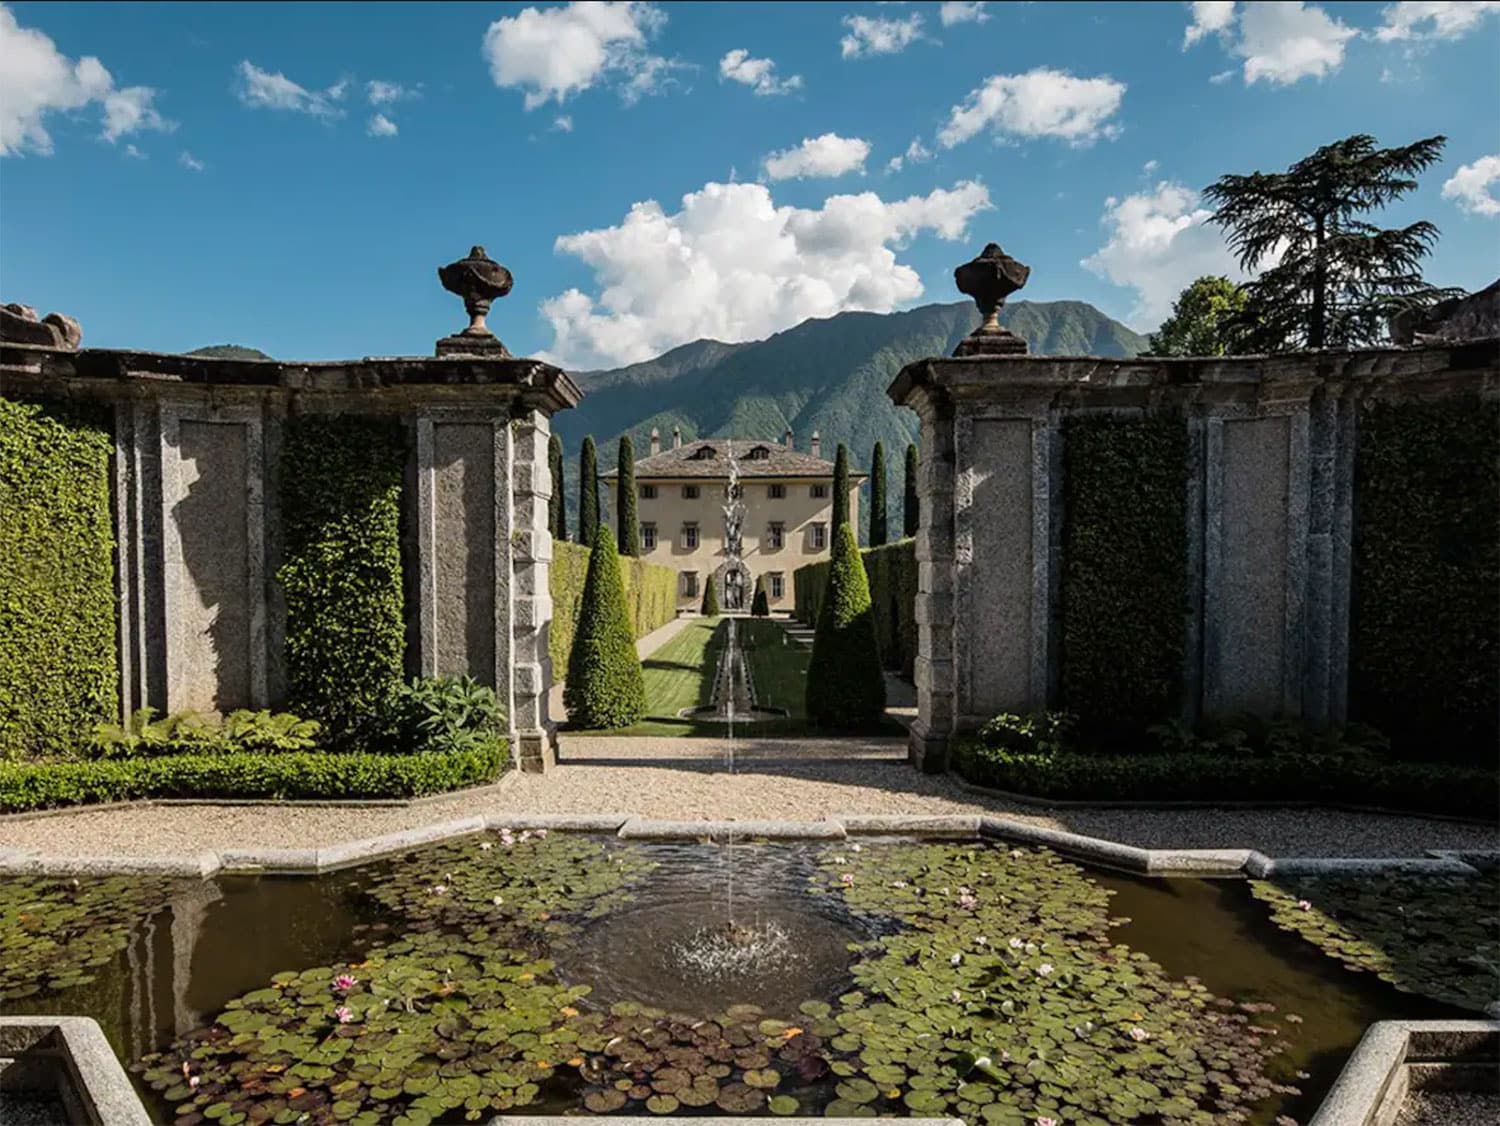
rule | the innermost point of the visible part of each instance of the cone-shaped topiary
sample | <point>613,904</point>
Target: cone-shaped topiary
<point>710,605</point>
<point>629,526</point>
<point>605,687</point>
<point>558,511</point>
<point>912,515</point>
<point>845,686</point>
<point>760,606</point>
<point>877,496</point>
<point>840,490</point>
<point>588,493</point>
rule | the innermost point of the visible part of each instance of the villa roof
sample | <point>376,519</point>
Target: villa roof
<point>707,458</point>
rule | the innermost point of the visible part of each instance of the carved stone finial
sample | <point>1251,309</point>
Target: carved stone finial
<point>478,279</point>
<point>19,325</point>
<point>989,279</point>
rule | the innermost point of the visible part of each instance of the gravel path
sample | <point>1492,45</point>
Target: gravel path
<point>688,778</point>
<point>1449,1108</point>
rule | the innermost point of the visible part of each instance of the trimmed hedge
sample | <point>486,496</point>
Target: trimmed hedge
<point>59,671</point>
<point>1124,571</point>
<point>650,597</point>
<point>709,605</point>
<point>605,687</point>
<point>1425,620</point>
<point>345,629</point>
<point>891,572</point>
<point>845,688</point>
<point>306,775</point>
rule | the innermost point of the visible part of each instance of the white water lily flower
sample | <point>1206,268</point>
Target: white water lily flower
<point>957,959</point>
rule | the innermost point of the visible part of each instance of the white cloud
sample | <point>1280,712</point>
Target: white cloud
<point>732,265</point>
<point>381,126</point>
<point>1221,77</point>
<point>190,162</point>
<point>563,124</point>
<point>382,93</point>
<point>1473,186</point>
<point>1150,166</point>
<point>1280,41</point>
<point>828,155</point>
<point>916,153</point>
<point>1159,242</point>
<point>554,53</point>
<point>878,35</point>
<point>37,79</point>
<point>1040,103</point>
<point>1432,19</point>
<point>274,90</point>
<point>758,74</point>
<point>951,12</point>
<point>1209,17</point>
<point>132,151</point>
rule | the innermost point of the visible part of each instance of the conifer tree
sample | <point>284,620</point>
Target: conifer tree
<point>760,607</point>
<point>912,510</point>
<point>840,489</point>
<point>605,687</point>
<point>626,523</point>
<point>845,684</point>
<point>709,607</point>
<point>558,508</point>
<point>877,496</point>
<point>588,493</point>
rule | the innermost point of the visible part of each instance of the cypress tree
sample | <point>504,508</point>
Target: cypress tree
<point>840,489</point>
<point>559,506</point>
<point>605,687</point>
<point>877,496</point>
<point>588,493</point>
<point>709,607</point>
<point>628,526</point>
<point>760,607</point>
<point>911,517</point>
<point>845,685</point>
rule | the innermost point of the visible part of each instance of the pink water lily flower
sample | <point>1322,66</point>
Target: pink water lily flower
<point>848,879</point>
<point>955,996</point>
<point>193,1082</point>
<point>345,982</point>
<point>1044,969</point>
<point>344,1013</point>
<point>541,834</point>
<point>1304,905</point>
<point>439,889</point>
<point>1045,1121</point>
<point>1138,1034</point>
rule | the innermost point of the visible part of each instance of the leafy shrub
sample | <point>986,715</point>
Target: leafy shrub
<point>443,713</point>
<point>1044,733</point>
<point>1254,735</point>
<point>143,735</point>
<point>605,687</point>
<point>709,607</point>
<point>845,685</point>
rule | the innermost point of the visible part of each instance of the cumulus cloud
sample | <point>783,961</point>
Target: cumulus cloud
<point>274,90</point>
<point>37,79</point>
<point>1040,103</point>
<point>190,162</point>
<point>1432,19</point>
<point>380,125</point>
<point>1473,186</point>
<point>916,153</point>
<point>554,53</point>
<point>1209,17</point>
<point>758,74</point>
<point>825,156</point>
<point>1158,243</point>
<point>732,265</point>
<point>382,93</point>
<point>1280,41</point>
<point>878,35</point>
<point>951,12</point>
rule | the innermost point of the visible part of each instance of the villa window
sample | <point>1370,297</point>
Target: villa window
<point>648,537</point>
<point>776,536</point>
<point>648,492</point>
<point>705,453</point>
<point>690,537</point>
<point>690,584</point>
<point>760,453</point>
<point>778,586</point>
<point>819,537</point>
<point>690,492</point>
<point>819,491</point>
<point>777,492</point>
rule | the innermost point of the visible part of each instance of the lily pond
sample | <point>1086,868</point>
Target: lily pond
<point>538,974</point>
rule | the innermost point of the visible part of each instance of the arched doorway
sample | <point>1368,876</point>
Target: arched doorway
<point>734,587</point>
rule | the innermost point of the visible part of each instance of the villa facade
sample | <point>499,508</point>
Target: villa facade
<point>788,499</point>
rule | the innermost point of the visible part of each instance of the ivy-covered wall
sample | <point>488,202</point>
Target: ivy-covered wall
<point>59,673</point>
<point>1124,570</point>
<point>892,573</point>
<point>650,597</point>
<point>1425,620</point>
<point>341,570</point>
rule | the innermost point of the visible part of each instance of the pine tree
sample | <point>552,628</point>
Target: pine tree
<point>877,496</point>
<point>588,492</point>
<point>840,489</point>
<point>760,606</point>
<point>605,687</point>
<point>558,508</point>
<point>912,505</point>
<point>845,684</point>
<point>709,607</point>
<point>1337,279</point>
<point>626,522</point>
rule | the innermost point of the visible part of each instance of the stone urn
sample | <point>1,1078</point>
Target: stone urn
<point>479,280</point>
<point>989,279</point>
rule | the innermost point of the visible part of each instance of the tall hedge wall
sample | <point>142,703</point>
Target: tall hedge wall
<point>1425,624</point>
<point>650,597</point>
<point>892,573</point>
<point>1124,588</point>
<point>341,508</point>
<point>59,673</point>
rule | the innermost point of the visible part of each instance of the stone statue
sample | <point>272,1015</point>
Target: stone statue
<point>478,279</point>
<point>989,279</point>
<point>19,324</point>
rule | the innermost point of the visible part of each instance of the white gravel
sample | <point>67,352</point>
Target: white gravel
<point>1450,1108</point>
<point>690,779</point>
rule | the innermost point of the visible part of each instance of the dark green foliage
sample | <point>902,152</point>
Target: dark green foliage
<point>142,735</point>
<point>1425,625</point>
<point>1202,321</point>
<point>345,630</point>
<point>1037,733</point>
<point>878,533</point>
<point>557,508</point>
<point>892,574</point>
<point>58,667</point>
<point>845,685</point>
<point>604,688</point>
<point>628,525</point>
<point>760,606</point>
<point>588,493</point>
<point>229,352</point>
<point>840,488</point>
<point>709,607</point>
<point>912,505</point>
<point>306,775</point>
<point>650,596</point>
<point>447,713</point>
<point>1124,570</point>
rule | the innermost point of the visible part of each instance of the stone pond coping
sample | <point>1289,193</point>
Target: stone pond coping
<point>68,1057</point>
<point>1395,1056</point>
<point>1222,862</point>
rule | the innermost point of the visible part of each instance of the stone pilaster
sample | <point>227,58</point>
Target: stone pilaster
<point>935,669</point>
<point>530,591</point>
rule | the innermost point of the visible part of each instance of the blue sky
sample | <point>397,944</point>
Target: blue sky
<point>176,175</point>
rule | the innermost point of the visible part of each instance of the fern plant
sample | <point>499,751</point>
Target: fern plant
<point>247,730</point>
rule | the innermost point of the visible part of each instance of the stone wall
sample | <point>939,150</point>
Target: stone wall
<point>1270,515</point>
<point>197,521</point>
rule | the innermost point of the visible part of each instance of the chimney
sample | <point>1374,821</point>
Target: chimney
<point>786,439</point>
<point>677,437</point>
<point>655,441</point>
<point>816,445</point>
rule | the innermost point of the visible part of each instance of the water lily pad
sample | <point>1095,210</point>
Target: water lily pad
<point>661,1104</point>
<point>764,1078</point>
<point>604,1102</point>
<point>738,1098</point>
<point>783,1104</point>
